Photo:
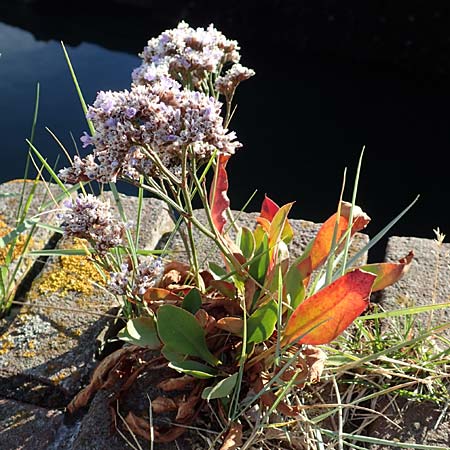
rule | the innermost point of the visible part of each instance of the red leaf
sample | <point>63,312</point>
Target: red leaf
<point>218,198</point>
<point>268,209</point>
<point>389,273</point>
<point>325,315</point>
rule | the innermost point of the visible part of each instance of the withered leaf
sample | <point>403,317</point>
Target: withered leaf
<point>100,376</point>
<point>177,384</point>
<point>138,425</point>
<point>231,324</point>
<point>162,405</point>
<point>233,439</point>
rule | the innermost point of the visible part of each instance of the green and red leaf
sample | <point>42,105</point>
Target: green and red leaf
<point>325,315</point>
<point>218,198</point>
<point>389,273</point>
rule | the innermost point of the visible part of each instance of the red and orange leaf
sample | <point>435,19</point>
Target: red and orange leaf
<point>389,273</point>
<point>321,246</point>
<point>325,315</point>
<point>218,198</point>
<point>268,209</point>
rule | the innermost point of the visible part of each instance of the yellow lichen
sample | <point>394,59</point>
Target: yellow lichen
<point>28,354</point>
<point>5,345</point>
<point>19,245</point>
<point>72,273</point>
<point>31,345</point>
<point>58,377</point>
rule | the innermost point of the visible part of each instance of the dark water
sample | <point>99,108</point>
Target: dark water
<point>302,119</point>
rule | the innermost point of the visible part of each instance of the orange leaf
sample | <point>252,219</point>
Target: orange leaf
<point>321,246</point>
<point>325,315</point>
<point>218,198</point>
<point>389,273</point>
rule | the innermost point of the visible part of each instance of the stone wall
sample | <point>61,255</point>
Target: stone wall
<point>49,347</point>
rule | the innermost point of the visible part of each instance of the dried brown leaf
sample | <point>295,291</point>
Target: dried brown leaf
<point>269,398</point>
<point>177,384</point>
<point>315,360</point>
<point>187,408</point>
<point>231,324</point>
<point>250,289</point>
<point>103,374</point>
<point>158,294</point>
<point>202,317</point>
<point>233,439</point>
<point>138,425</point>
<point>170,278</point>
<point>162,405</point>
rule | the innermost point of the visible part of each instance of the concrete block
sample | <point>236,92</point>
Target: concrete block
<point>427,281</point>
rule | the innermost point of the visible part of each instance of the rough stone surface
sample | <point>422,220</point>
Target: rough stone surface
<point>427,281</point>
<point>96,429</point>
<point>155,220</point>
<point>304,232</point>
<point>48,352</point>
<point>416,424</point>
<point>11,193</point>
<point>27,427</point>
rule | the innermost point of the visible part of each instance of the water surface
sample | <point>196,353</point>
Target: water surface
<point>302,119</point>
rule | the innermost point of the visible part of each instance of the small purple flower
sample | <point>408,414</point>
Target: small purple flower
<point>86,139</point>
<point>111,122</point>
<point>130,112</point>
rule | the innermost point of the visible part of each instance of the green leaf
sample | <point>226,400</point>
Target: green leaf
<point>24,226</point>
<point>293,282</point>
<point>172,355</point>
<point>280,227</point>
<point>180,330</point>
<point>217,271</point>
<point>261,324</point>
<point>3,283</point>
<point>222,389</point>
<point>246,242</point>
<point>142,332</point>
<point>258,268</point>
<point>194,369</point>
<point>192,301</point>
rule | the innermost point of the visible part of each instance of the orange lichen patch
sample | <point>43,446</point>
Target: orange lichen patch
<point>71,274</point>
<point>58,377</point>
<point>28,354</point>
<point>19,245</point>
<point>5,344</point>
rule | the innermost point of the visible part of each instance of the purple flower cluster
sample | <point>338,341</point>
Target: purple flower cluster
<point>90,218</point>
<point>148,273</point>
<point>161,118</point>
<point>186,54</point>
<point>226,84</point>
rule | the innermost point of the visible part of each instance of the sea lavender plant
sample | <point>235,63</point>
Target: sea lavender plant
<point>243,335</point>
